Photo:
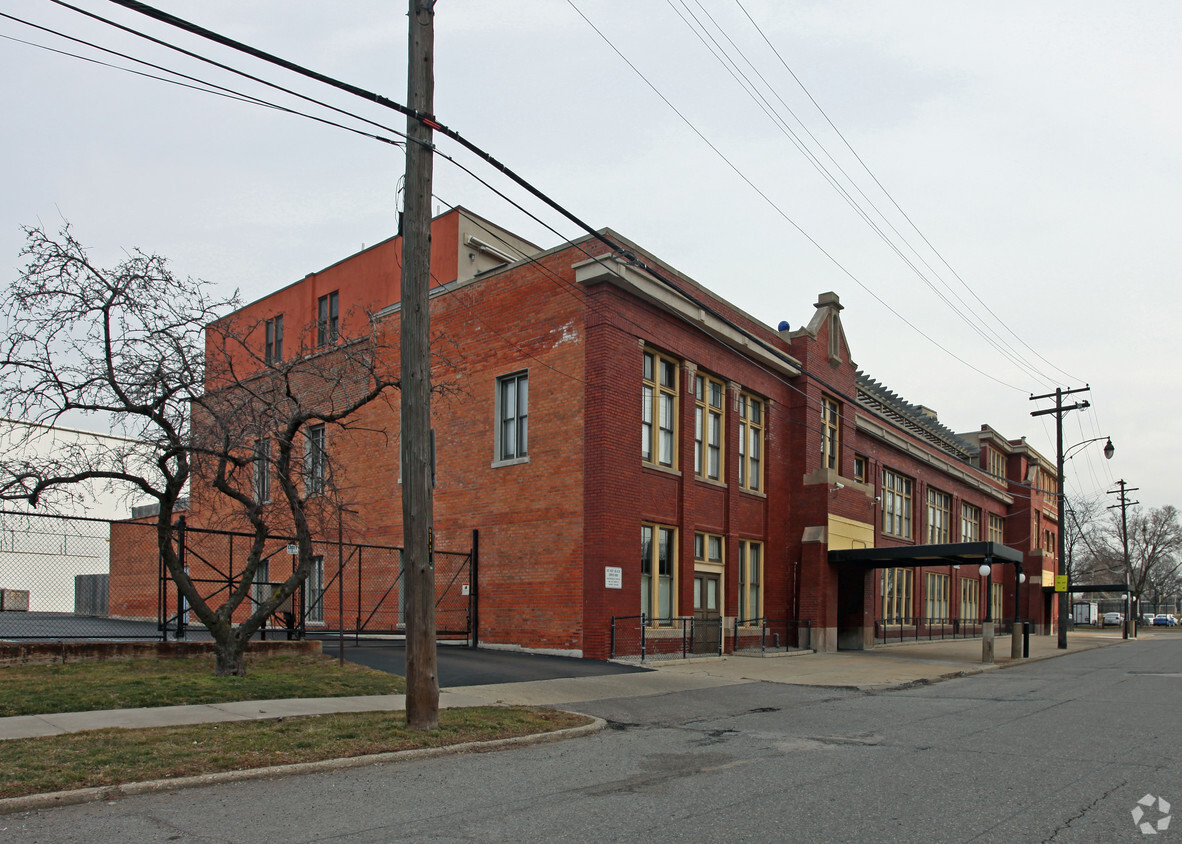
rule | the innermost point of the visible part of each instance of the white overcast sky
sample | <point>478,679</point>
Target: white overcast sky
<point>1035,147</point>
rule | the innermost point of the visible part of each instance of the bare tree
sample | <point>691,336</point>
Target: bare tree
<point>1154,548</point>
<point>1082,527</point>
<point>149,351</point>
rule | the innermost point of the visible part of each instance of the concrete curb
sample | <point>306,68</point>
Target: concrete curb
<point>34,802</point>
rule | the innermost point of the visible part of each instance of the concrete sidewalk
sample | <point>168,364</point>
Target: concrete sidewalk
<point>885,667</point>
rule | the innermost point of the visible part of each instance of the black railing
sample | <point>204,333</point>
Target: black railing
<point>769,635</point>
<point>643,638</point>
<point>926,628</point>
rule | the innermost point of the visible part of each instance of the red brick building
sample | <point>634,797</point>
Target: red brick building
<point>760,455</point>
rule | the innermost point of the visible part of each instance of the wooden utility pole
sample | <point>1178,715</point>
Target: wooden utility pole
<point>1061,497</point>
<point>422,681</point>
<point>1130,626</point>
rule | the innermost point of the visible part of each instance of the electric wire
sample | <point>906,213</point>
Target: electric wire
<point>719,52</point>
<point>617,250</point>
<point>890,197</point>
<point>784,215</point>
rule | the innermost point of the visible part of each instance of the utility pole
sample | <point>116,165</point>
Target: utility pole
<point>1061,547</point>
<point>422,680</point>
<point>1124,538</point>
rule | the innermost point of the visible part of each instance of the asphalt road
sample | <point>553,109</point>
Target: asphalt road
<point>1059,750</point>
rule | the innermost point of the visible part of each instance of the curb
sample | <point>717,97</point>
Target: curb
<point>34,802</point>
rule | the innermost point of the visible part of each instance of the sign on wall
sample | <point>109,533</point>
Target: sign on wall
<point>613,577</point>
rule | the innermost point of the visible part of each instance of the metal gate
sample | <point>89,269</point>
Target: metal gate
<point>353,588</point>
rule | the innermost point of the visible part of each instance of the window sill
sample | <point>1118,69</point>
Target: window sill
<point>711,481</point>
<point>514,461</point>
<point>663,469</point>
<point>753,492</point>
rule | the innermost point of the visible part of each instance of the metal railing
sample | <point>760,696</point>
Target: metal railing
<point>643,638</point>
<point>925,628</point>
<point>767,635</point>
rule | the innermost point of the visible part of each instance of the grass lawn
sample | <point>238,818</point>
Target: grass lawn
<point>114,756</point>
<point>126,684</point>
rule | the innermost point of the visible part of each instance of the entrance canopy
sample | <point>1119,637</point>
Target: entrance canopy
<point>915,556</point>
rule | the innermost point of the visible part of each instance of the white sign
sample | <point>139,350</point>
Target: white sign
<point>464,589</point>
<point>613,577</point>
<point>293,549</point>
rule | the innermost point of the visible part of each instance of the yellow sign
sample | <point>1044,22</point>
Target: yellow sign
<point>1060,583</point>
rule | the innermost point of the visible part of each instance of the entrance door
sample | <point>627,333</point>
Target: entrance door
<point>707,613</point>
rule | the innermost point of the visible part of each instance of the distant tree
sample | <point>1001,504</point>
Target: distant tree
<point>1082,524</point>
<point>1154,549</point>
<point>149,351</point>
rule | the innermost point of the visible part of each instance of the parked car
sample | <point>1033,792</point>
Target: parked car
<point>1112,618</point>
<point>1164,620</point>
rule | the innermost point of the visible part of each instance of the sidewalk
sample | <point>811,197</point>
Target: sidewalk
<point>885,667</point>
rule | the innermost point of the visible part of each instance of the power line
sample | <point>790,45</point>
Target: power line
<point>889,196</point>
<point>618,251</point>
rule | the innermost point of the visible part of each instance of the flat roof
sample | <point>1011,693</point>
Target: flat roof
<point>904,556</point>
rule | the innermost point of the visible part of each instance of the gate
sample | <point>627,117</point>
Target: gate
<point>352,588</point>
<point>76,578</point>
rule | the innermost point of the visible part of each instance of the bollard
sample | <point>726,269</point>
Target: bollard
<point>1026,640</point>
<point>1016,640</point>
<point>987,642</point>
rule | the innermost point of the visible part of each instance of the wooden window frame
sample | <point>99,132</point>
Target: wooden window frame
<point>830,433</point>
<point>328,309</point>
<point>939,510</point>
<point>273,340</point>
<point>751,580</point>
<point>970,522</point>
<point>651,563</point>
<point>997,528</point>
<point>937,591</point>
<point>709,428</point>
<point>898,595</point>
<point>897,499</point>
<point>752,425</point>
<point>659,393</point>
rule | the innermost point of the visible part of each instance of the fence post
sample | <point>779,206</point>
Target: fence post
<point>474,590</point>
<point>180,599</point>
<point>643,641</point>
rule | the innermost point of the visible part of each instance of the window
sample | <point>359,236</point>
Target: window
<point>512,435</point>
<point>658,416</point>
<point>262,471</point>
<point>939,517</point>
<point>896,504</point>
<point>970,607</point>
<point>314,592</point>
<point>937,597</point>
<point>997,464</point>
<point>896,595</point>
<point>261,587</point>
<point>273,343</point>
<point>658,566</point>
<point>750,443</point>
<point>829,439</point>
<point>314,460</point>
<point>327,313</point>
<point>859,468</point>
<point>708,398</point>
<point>708,548</point>
<point>750,580</point>
<point>970,523</point>
<point>995,599</point>
<point>996,528</point>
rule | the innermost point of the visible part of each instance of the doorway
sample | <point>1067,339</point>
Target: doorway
<point>707,612</point>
